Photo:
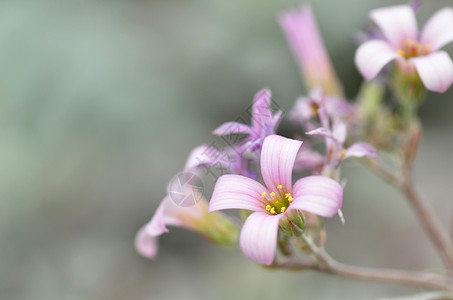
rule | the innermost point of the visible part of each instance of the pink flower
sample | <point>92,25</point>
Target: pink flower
<point>307,108</point>
<point>275,202</point>
<point>335,137</point>
<point>168,213</point>
<point>264,123</point>
<point>217,228</point>
<point>413,52</point>
<point>308,160</point>
<point>303,36</point>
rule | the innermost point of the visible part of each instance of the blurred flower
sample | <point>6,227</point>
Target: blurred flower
<point>264,123</point>
<point>301,31</point>
<point>415,4</point>
<point>216,228</point>
<point>335,137</point>
<point>308,160</point>
<point>414,54</point>
<point>278,203</point>
<point>203,157</point>
<point>307,108</point>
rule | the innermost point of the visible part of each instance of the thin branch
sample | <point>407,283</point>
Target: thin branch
<point>408,278</point>
<point>427,218</point>
<point>430,223</point>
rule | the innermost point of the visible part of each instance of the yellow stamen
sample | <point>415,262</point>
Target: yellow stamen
<point>272,194</point>
<point>290,199</point>
<point>401,53</point>
<point>287,195</point>
<point>282,210</point>
<point>329,156</point>
<point>315,109</point>
<point>272,211</point>
<point>263,195</point>
<point>279,186</point>
<point>268,207</point>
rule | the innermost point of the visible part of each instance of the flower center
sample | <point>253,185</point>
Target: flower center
<point>414,49</point>
<point>277,203</point>
<point>314,109</point>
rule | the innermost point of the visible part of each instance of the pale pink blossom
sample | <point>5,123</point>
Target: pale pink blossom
<point>335,137</point>
<point>413,52</point>
<point>264,123</point>
<point>271,204</point>
<point>216,228</point>
<point>306,109</point>
<point>168,213</point>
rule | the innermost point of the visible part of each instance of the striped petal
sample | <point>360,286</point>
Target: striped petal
<point>372,56</point>
<point>277,161</point>
<point>438,31</point>
<point>237,192</point>
<point>320,195</point>
<point>258,238</point>
<point>397,23</point>
<point>435,70</point>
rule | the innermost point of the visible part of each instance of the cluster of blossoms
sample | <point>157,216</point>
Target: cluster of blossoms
<point>277,210</point>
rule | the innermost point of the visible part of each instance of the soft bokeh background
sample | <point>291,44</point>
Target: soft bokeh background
<point>101,101</point>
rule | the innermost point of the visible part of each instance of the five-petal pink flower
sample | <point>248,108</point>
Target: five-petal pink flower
<point>413,52</point>
<point>271,203</point>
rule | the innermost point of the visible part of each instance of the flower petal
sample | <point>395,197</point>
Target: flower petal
<point>232,128</point>
<point>339,131</point>
<point>438,31</point>
<point>146,244</point>
<point>238,192</point>
<point>339,107</point>
<point>435,70</point>
<point>302,34</point>
<point>372,56</point>
<point>317,194</point>
<point>261,114</point>
<point>397,23</point>
<point>277,161</point>
<point>156,226</point>
<point>258,238</point>
<point>203,155</point>
<point>307,159</point>
<point>361,150</point>
<point>320,131</point>
<point>302,110</point>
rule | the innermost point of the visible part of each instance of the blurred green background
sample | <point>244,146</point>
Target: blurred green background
<point>101,102</point>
